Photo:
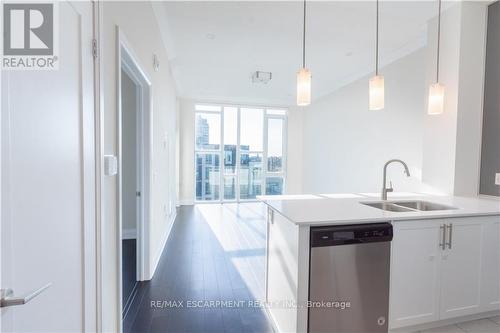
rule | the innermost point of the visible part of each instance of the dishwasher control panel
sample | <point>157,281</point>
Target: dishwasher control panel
<point>351,234</point>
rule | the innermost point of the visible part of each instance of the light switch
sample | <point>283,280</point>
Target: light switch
<point>110,165</point>
<point>497,178</point>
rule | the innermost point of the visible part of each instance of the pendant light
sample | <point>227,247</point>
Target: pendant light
<point>376,84</point>
<point>304,75</point>
<point>436,90</point>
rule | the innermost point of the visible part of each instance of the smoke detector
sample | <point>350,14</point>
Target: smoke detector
<point>262,77</point>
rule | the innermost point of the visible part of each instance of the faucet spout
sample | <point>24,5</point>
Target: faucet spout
<point>386,189</point>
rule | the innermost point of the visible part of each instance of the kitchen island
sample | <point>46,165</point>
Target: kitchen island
<point>444,264</point>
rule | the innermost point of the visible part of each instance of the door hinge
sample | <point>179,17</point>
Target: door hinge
<point>94,47</point>
<point>138,193</point>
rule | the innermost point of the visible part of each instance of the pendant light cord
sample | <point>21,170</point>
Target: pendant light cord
<point>438,41</point>
<point>304,39</point>
<point>376,43</point>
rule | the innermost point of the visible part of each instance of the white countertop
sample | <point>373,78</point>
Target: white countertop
<point>327,209</point>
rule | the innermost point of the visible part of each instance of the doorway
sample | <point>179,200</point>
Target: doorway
<point>134,176</point>
<point>131,171</point>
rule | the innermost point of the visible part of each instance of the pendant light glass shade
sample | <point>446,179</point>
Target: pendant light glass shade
<point>436,99</point>
<point>303,87</point>
<point>376,92</point>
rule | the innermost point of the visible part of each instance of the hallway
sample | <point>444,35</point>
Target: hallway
<point>214,253</point>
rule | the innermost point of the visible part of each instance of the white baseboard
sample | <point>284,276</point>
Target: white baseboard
<point>165,238</point>
<point>129,234</point>
<point>185,202</point>
<point>445,322</point>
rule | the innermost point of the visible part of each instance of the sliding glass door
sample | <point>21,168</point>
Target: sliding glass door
<point>241,148</point>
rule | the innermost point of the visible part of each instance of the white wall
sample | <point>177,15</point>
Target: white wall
<point>471,92</point>
<point>138,23</point>
<point>186,151</point>
<point>452,140</point>
<point>440,131</point>
<point>346,144</point>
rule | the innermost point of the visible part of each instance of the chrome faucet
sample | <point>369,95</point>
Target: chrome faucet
<point>386,189</point>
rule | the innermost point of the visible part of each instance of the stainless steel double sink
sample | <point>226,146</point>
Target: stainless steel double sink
<point>407,206</point>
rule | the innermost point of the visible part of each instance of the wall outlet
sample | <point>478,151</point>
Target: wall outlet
<point>110,165</point>
<point>497,178</point>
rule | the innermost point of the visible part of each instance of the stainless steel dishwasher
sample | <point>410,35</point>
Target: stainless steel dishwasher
<point>349,278</point>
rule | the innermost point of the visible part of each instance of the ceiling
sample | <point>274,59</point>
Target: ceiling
<point>214,47</point>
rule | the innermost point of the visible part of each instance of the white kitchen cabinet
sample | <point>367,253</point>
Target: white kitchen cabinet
<point>490,276</point>
<point>440,272</point>
<point>287,273</point>
<point>415,256</point>
<point>461,268</point>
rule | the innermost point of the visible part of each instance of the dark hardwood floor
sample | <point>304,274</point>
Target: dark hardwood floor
<point>214,253</point>
<point>129,273</point>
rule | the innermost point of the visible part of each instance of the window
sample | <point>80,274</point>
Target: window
<point>207,131</point>
<point>275,159</point>
<point>207,176</point>
<point>230,146</point>
<point>239,152</point>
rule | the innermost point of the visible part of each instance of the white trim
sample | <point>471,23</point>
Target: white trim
<point>129,233</point>
<point>240,105</point>
<point>128,61</point>
<point>491,197</point>
<point>445,322</point>
<point>99,163</point>
<point>165,238</point>
<point>187,202</point>
<point>90,155</point>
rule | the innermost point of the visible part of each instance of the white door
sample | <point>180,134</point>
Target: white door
<point>490,276</point>
<point>461,268</point>
<point>415,256</point>
<point>47,162</point>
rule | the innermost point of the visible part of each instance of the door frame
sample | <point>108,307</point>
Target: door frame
<point>99,160</point>
<point>127,60</point>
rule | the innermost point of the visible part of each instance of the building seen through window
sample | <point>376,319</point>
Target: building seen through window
<point>232,168</point>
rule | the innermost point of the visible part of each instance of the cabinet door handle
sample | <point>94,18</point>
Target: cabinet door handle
<point>443,236</point>
<point>450,233</point>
